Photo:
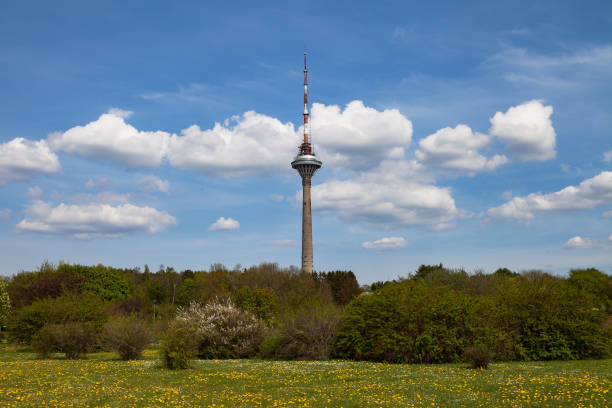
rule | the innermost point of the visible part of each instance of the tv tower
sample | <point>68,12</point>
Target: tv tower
<point>306,164</point>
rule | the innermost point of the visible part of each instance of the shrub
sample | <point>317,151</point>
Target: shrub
<point>309,333</point>
<point>223,330</point>
<point>411,322</point>
<point>128,335</point>
<point>71,307</point>
<point>72,338</point>
<point>179,344</point>
<point>478,356</point>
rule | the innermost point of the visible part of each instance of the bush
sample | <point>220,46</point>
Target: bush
<point>128,335</point>
<point>309,333</point>
<point>411,322</point>
<point>71,307</point>
<point>223,330</point>
<point>72,338</point>
<point>553,319</point>
<point>179,344</point>
<point>478,356</point>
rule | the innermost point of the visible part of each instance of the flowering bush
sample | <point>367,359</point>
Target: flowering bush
<point>222,329</point>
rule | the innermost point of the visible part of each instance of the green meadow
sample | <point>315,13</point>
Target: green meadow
<point>101,380</point>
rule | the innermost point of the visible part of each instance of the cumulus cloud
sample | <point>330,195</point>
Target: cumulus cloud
<point>607,156</point>
<point>359,137</point>
<point>527,130</point>
<point>224,224</point>
<point>34,192</point>
<point>120,112</point>
<point>385,243</point>
<point>21,159</point>
<point>579,242</point>
<point>391,196</point>
<point>110,138</point>
<point>585,196</point>
<point>251,143</point>
<point>152,183</point>
<point>457,149</point>
<point>89,221</point>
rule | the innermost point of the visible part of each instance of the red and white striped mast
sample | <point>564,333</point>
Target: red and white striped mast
<point>306,147</point>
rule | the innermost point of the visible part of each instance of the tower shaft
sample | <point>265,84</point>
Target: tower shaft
<point>307,258</point>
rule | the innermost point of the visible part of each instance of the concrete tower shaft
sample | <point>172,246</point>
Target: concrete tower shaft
<point>306,165</point>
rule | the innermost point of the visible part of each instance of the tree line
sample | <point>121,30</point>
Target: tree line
<point>432,315</point>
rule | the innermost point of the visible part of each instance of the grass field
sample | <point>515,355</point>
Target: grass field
<point>102,380</point>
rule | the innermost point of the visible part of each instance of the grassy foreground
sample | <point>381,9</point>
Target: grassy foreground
<point>102,380</point>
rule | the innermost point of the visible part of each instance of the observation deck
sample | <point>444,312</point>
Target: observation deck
<point>306,165</point>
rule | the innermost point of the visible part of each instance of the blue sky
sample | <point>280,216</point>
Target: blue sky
<point>477,135</point>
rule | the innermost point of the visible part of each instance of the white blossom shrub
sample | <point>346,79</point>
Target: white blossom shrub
<point>223,330</point>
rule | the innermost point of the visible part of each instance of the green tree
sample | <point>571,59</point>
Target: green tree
<point>5,302</point>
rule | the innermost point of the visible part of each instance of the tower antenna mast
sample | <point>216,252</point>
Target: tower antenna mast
<point>306,147</point>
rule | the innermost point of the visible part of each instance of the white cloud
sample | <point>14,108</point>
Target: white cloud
<point>284,243</point>
<point>386,243</point>
<point>103,197</point>
<point>588,194</point>
<point>594,56</point>
<point>35,192</point>
<point>528,131</point>
<point>120,113</point>
<point>93,220</point>
<point>393,195</point>
<point>152,183</point>
<point>581,67</point>
<point>223,224</point>
<point>579,242</point>
<point>5,214</point>
<point>359,137</point>
<point>21,159</point>
<point>251,143</point>
<point>96,182</point>
<point>110,138</point>
<point>457,149</point>
<point>607,156</point>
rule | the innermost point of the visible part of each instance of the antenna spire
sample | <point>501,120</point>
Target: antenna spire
<point>306,139</point>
